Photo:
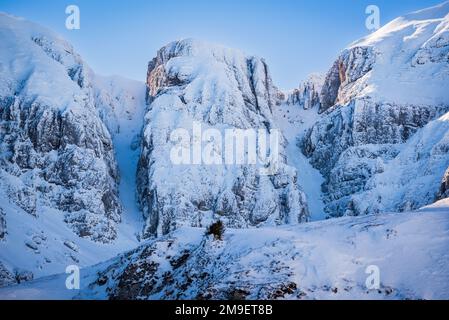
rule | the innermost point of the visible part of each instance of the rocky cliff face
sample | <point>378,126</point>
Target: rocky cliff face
<point>55,150</point>
<point>344,80</point>
<point>374,100</point>
<point>444,188</point>
<point>413,178</point>
<point>219,88</point>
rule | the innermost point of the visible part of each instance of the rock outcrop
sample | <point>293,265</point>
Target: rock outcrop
<point>3,231</point>
<point>193,82</point>
<point>55,150</point>
<point>444,188</point>
<point>276,263</point>
<point>373,101</point>
<point>307,95</point>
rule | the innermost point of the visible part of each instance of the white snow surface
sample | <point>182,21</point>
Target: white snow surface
<point>325,259</point>
<point>122,107</point>
<point>28,53</point>
<point>122,103</point>
<point>412,177</point>
<point>190,82</point>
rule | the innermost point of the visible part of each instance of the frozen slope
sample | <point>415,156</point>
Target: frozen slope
<point>61,195</point>
<point>44,245</point>
<point>380,93</point>
<point>412,62</point>
<point>318,260</point>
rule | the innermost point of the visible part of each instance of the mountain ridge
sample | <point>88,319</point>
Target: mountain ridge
<point>86,174</point>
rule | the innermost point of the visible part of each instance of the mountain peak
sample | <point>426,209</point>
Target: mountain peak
<point>197,47</point>
<point>419,24</point>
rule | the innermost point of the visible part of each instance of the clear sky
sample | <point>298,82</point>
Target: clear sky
<point>296,37</point>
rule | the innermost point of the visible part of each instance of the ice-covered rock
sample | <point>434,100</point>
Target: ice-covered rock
<point>307,95</point>
<point>55,150</point>
<point>341,84</point>
<point>64,131</point>
<point>444,188</point>
<point>6,276</point>
<point>378,94</point>
<point>191,81</point>
<point>376,127</point>
<point>413,178</point>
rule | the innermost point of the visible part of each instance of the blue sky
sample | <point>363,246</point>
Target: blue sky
<point>296,37</point>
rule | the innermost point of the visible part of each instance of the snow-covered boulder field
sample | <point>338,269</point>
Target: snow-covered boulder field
<point>317,260</point>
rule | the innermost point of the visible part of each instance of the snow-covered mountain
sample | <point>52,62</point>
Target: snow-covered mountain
<point>87,175</point>
<point>296,114</point>
<point>307,95</point>
<point>191,81</point>
<point>375,142</point>
<point>55,151</point>
<point>59,190</point>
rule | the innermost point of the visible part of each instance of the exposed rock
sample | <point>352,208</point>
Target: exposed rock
<point>308,94</point>
<point>341,85</point>
<point>6,277</point>
<point>23,275</point>
<point>32,245</point>
<point>190,81</point>
<point>374,102</point>
<point>444,189</point>
<point>71,245</point>
<point>55,150</point>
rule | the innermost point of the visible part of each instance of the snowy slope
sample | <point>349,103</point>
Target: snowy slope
<point>382,91</point>
<point>122,104</point>
<point>318,260</point>
<point>85,167</point>
<point>412,59</point>
<point>55,150</point>
<point>46,245</point>
<point>405,62</point>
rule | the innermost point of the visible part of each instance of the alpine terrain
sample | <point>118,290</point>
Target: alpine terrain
<point>361,181</point>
